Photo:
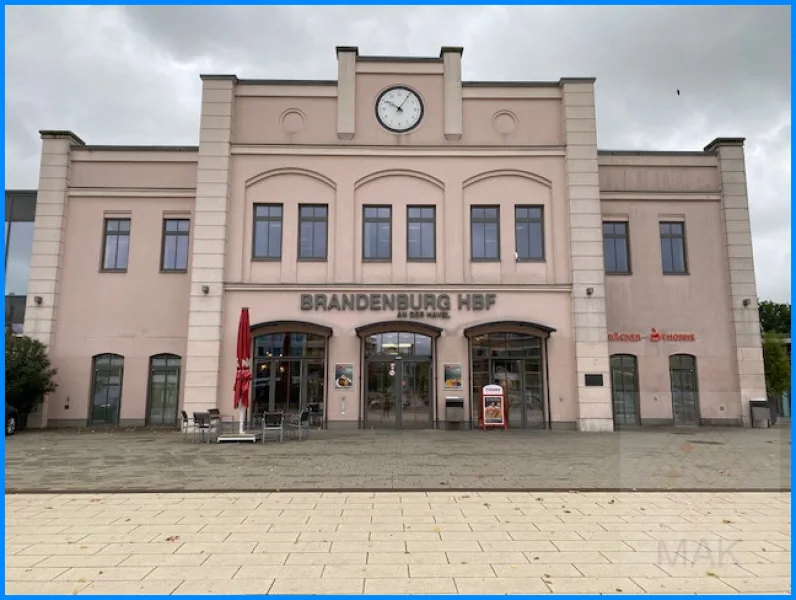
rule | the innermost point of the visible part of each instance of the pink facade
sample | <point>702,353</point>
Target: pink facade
<point>492,241</point>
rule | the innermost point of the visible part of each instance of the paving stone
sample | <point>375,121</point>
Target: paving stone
<point>33,573</point>
<point>131,588</point>
<point>410,586</point>
<point>366,571</point>
<point>683,585</point>
<point>218,587</point>
<point>105,574</point>
<point>319,586</point>
<point>44,588</point>
<point>491,585</point>
<point>592,585</point>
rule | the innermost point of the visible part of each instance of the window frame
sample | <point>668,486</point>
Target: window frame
<point>168,367</point>
<point>313,219</point>
<point>621,356</point>
<point>473,220</point>
<point>614,236</point>
<point>95,368</point>
<point>165,233</point>
<point>268,219</point>
<point>376,220</point>
<point>433,221</point>
<point>105,233</point>
<point>518,220</point>
<point>670,236</point>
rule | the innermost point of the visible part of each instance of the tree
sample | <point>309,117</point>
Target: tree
<point>29,374</point>
<point>776,364</point>
<point>774,317</point>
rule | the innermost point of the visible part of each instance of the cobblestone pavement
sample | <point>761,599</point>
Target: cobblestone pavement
<point>386,542</point>
<point>113,461</point>
<point>381,460</point>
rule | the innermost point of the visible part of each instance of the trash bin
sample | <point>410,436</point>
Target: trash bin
<point>761,412</point>
<point>454,409</point>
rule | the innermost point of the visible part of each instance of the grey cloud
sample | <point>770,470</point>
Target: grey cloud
<point>130,75</point>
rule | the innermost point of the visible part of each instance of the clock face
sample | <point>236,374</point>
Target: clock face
<point>399,109</point>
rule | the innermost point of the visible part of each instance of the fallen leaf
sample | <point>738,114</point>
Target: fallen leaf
<point>172,538</point>
<point>726,521</point>
<point>711,574</point>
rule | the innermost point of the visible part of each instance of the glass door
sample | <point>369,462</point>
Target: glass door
<point>416,408</point>
<point>107,397</point>
<point>164,389</point>
<point>380,408</point>
<point>287,386</point>
<point>508,375</point>
<point>684,397</point>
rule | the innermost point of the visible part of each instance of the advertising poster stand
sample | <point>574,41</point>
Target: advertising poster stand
<point>493,407</point>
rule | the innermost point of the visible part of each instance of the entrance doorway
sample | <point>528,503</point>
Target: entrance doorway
<point>288,373</point>
<point>513,361</point>
<point>685,389</point>
<point>398,381</point>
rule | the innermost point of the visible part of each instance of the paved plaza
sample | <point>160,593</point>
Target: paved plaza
<point>387,542</point>
<point>116,461</point>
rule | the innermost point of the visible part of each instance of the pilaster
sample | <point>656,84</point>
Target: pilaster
<point>737,234</point>
<point>346,91</point>
<point>41,306</point>
<point>452,85</point>
<point>210,216</point>
<point>589,322</point>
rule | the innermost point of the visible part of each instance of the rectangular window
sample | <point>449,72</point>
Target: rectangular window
<point>673,252</point>
<point>485,233</point>
<point>616,247</point>
<point>420,233</point>
<point>116,245</point>
<point>313,226</point>
<point>174,254</point>
<point>377,233</point>
<point>267,239</point>
<point>529,232</point>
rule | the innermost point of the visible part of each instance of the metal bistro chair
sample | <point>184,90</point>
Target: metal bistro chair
<point>185,425</point>
<point>204,424</point>
<point>274,421</point>
<point>300,422</point>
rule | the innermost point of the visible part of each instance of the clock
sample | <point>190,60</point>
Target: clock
<point>399,109</point>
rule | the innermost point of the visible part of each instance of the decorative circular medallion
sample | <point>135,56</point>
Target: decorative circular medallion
<point>504,122</point>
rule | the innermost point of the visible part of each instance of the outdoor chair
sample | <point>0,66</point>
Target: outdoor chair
<point>205,425</point>
<point>300,422</point>
<point>274,421</point>
<point>185,425</point>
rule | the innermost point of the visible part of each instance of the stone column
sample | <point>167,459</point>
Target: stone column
<point>452,81</point>
<point>48,244</point>
<point>346,91</point>
<point>588,275</point>
<point>738,243</point>
<point>208,261</point>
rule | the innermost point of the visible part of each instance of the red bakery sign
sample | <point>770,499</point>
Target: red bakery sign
<point>654,336</point>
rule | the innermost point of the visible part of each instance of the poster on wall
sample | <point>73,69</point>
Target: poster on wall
<point>343,376</point>
<point>452,373</point>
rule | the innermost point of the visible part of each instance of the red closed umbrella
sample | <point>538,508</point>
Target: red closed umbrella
<point>243,375</point>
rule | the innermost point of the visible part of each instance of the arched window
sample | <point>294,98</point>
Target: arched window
<point>624,389</point>
<point>163,400</point>
<point>107,371</point>
<point>685,389</point>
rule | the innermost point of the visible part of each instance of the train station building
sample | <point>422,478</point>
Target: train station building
<point>402,238</point>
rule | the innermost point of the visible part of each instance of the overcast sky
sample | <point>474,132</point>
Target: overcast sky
<point>130,75</point>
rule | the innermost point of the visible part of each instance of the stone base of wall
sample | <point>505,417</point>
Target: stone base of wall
<point>596,425</point>
<point>83,424</point>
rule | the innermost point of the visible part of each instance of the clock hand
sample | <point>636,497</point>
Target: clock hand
<point>404,102</point>
<point>391,104</point>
